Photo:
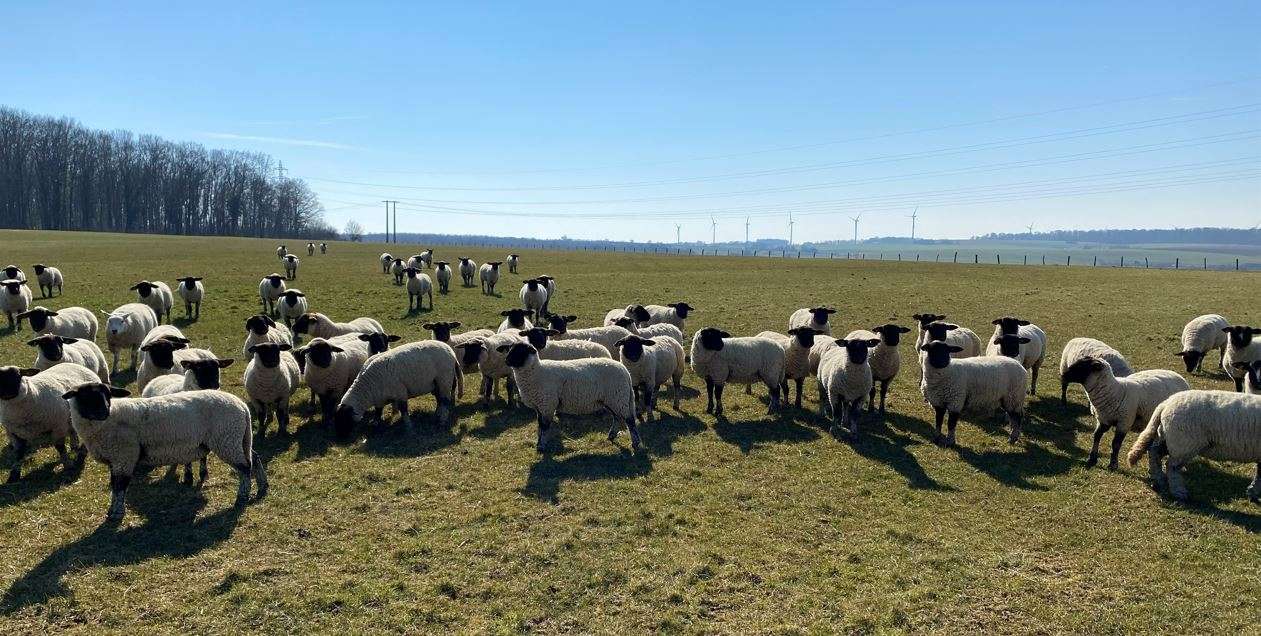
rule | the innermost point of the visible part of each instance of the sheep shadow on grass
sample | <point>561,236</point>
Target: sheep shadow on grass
<point>768,429</point>
<point>883,441</point>
<point>123,378</point>
<point>422,436</point>
<point>47,478</point>
<point>183,322</point>
<point>499,421</point>
<point>547,474</point>
<point>660,435</point>
<point>1015,464</point>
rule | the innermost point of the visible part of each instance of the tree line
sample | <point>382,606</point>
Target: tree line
<point>1191,235</point>
<point>56,174</point>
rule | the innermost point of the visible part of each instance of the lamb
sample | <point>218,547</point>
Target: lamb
<point>493,365</point>
<point>55,350</point>
<point>1026,343</point>
<point>562,349</point>
<point>396,270</point>
<point>513,259</point>
<point>291,266</point>
<point>125,434</point>
<point>13,272</point>
<point>965,339</point>
<point>71,322</point>
<point>518,319</point>
<point>416,261</point>
<point>845,378</point>
<point>796,345</point>
<point>673,313</point>
<point>320,326</point>
<point>885,360</point>
<point>418,286</point>
<point>163,356</point>
<point>14,301</point>
<point>281,250</point>
<point>157,295</point>
<point>719,359</point>
<point>550,284</point>
<point>269,290</point>
<point>323,248</point>
<point>331,365</point>
<point>426,258</point>
<point>1082,348</point>
<point>1252,376</point>
<point>468,269</point>
<point>1123,404</point>
<point>195,375</point>
<point>261,328</point>
<point>572,387</point>
<point>271,378</point>
<point>1200,336</point>
<point>1219,425</point>
<point>815,318</point>
<point>191,290</point>
<point>489,274</point>
<point>126,328</point>
<point>1240,347</point>
<point>443,273</point>
<point>412,370</point>
<point>604,336</point>
<point>652,367</point>
<point>636,313</point>
<point>978,383</point>
<point>386,260</point>
<point>34,415</point>
<point>310,249</point>
<point>534,295</point>
<point>291,305</point>
<point>48,277</point>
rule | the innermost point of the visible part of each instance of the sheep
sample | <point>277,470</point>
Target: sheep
<point>562,349</point>
<point>191,291</point>
<point>162,356</point>
<point>796,345</point>
<point>492,364</point>
<point>572,387</point>
<point>323,248</point>
<point>518,319</point>
<point>652,367</point>
<point>1240,347</point>
<point>468,268</point>
<point>13,272</point>
<point>386,260</point>
<point>606,337</point>
<point>534,295</point>
<point>271,378</point>
<point>402,373</point>
<point>14,301</point>
<point>291,305</point>
<point>48,277</point>
<point>415,261</point>
<point>814,317</point>
<point>978,383</point>
<point>821,346</point>
<point>126,328</point>
<point>71,322</point>
<point>55,350</point>
<point>331,365</point>
<point>261,328</point>
<point>673,313</point>
<point>442,272</point>
<point>468,358</point>
<point>658,330</point>
<point>719,359</point>
<point>636,313</point>
<point>1123,404</point>
<point>291,266</point>
<point>550,284</point>
<point>127,433</point>
<point>1219,425</point>
<point>885,359</point>
<point>1016,338</point>
<point>489,274</point>
<point>281,250</point>
<point>396,270</point>
<point>513,260</point>
<point>1201,335</point>
<point>965,339</point>
<point>1252,376</point>
<point>34,415</point>
<point>157,295</point>
<point>1081,348</point>
<point>418,286</point>
<point>310,249</point>
<point>320,326</point>
<point>195,375</point>
<point>269,290</point>
<point>845,378</point>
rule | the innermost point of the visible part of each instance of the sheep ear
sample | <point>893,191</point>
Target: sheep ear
<point>996,321</point>
<point>118,392</point>
<point>723,334</point>
<point>427,325</point>
<point>300,294</point>
<point>917,316</point>
<point>335,349</point>
<point>951,327</point>
<point>226,362</point>
<point>529,313</point>
<point>622,342</point>
<point>35,342</point>
<point>268,320</point>
<point>70,394</point>
<point>1227,329</point>
<point>923,347</point>
<point>198,278</point>
<point>1022,323</point>
<point>570,318</point>
<point>841,342</point>
<point>1243,366</point>
<point>904,329</point>
<point>503,313</point>
<point>1182,354</point>
<point>252,349</point>
<point>284,346</point>
<point>647,343</point>
<point>997,341</point>
<point>134,287</point>
<point>392,338</point>
<point>454,324</point>
<point>187,364</point>
<point>954,349</point>
<point>26,373</point>
<point>551,332</point>
<point>365,337</point>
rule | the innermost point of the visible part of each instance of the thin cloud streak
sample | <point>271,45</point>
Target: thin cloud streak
<point>307,143</point>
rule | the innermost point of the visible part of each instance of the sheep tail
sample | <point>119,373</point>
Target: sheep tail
<point>1145,439</point>
<point>459,380</point>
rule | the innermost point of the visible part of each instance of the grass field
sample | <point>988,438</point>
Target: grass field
<point>754,524</point>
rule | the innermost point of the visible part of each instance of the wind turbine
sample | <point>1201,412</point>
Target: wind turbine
<point>914,215</point>
<point>1030,228</point>
<point>855,220</point>
<point>746,229</point>
<point>678,233</point>
<point>713,236</point>
<point>791,223</point>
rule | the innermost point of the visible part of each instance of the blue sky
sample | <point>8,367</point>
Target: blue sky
<point>552,119</point>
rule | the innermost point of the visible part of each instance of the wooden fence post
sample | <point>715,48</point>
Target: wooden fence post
<point>976,259</point>
<point>956,257</point>
<point>1070,260</point>
<point>1122,262</point>
<point>1176,262</point>
<point>1096,263</point>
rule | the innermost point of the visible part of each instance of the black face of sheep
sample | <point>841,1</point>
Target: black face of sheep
<point>1082,369</point>
<point>259,324</point>
<point>804,335</point>
<point>640,314</point>
<point>51,345</point>
<point>494,265</point>
<point>533,284</point>
<point>302,324</point>
<point>268,353</point>
<point>320,354</point>
<point>345,421</point>
<point>144,288</point>
<point>1009,324</point>
<point>857,349</point>
<point>560,323</point>
<point>937,330</point>
<point>441,330</point>
<point>11,381</point>
<point>821,314</point>
<point>12,286</point>
<point>12,271</point>
<point>39,269</point>
<point>926,319</point>
<point>206,372</point>
<point>162,351</point>
<point>890,333</point>
<point>291,258</point>
<point>711,338</point>
<point>537,336</point>
<point>517,354</point>
<point>516,317</point>
<point>442,264</point>
<point>189,282</point>
<point>633,347</point>
<point>472,352</point>
<point>378,342</point>
<point>411,272</point>
<point>1240,335</point>
<point>625,322</point>
<point>463,260</point>
<point>291,297</point>
<point>1009,344</point>
<point>939,353</point>
<point>1252,374</point>
<point>275,280</point>
<point>1191,359</point>
<point>92,401</point>
<point>38,317</point>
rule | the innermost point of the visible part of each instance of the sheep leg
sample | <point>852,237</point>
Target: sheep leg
<point>855,412</point>
<point>403,415</point>
<point>197,315</point>
<point>188,473</point>
<point>1254,489</point>
<point>951,422</point>
<point>327,407</point>
<point>1238,383</point>
<point>800,382</point>
<point>634,434</point>
<point>748,389</point>
<point>202,471</point>
<point>871,398</point>
<point>1101,427</point>
<point>709,395</point>
<point>774,404</point>
<point>261,410</point>
<point>1015,420</point>
<point>884,392</point>
<point>188,310</point>
<point>66,462</point>
<point>510,390</point>
<point>1155,470</point>
<point>9,315</point>
<point>823,399</point>
<point>718,398</point>
<point>1177,483</point>
<point>20,449</point>
<point>118,493</point>
<point>282,417</point>
<point>940,413</point>
<point>115,365</point>
<point>1118,437</point>
<point>545,425</point>
<point>1033,379</point>
<point>675,393</point>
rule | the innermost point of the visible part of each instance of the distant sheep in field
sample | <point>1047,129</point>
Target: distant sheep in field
<point>1240,347</point>
<point>397,268</point>
<point>982,384</point>
<point>13,272</point>
<point>468,269</point>
<point>815,318</point>
<point>489,274</point>
<point>513,259</point>
<point>291,266</point>
<point>71,322</point>
<point>1082,348</point>
<point>15,300</point>
<point>534,295</point>
<point>191,291</point>
<point>310,249</point>
<point>126,328</point>
<point>1021,341</point>
<point>291,305</point>
<point>386,260</point>
<point>442,272</point>
<point>48,277</point>
<point>269,290</point>
<point>418,287</point>
<point>1201,335</point>
<point>157,295</point>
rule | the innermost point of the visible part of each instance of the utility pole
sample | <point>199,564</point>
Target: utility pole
<point>790,229</point>
<point>855,220</point>
<point>914,215</point>
<point>387,203</point>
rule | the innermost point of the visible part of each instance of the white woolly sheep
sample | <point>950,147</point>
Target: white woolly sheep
<point>965,339</point>
<point>606,337</point>
<point>562,349</point>
<point>550,284</point>
<point>821,346</point>
<point>35,416</point>
<point>157,295</point>
<point>468,269</point>
<point>652,367</point>
<point>191,291</point>
<point>291,305</point>
<point>1218,425</point>
<point>518,319</point>
<point>396,376</point>
<point>513,260</point>
<point>194,375</point>
<point>291,263</point>
<point>329,366</point>
<point>493,365</point>
<point>1123,404</point>
<point>1082,348</point>
<point>48,277</point>
<point>418,287</point>
<point>534,295</point>
<point>981,384</point>
<point>815,318</point>
<point>1252,376</point>
<point>1240,348</point>
<point>396,270</point>
<point>415,261</point>
<point>281,250</point>
<point>261,328</point>
<point>1021,341</point>
<point>162,431</point>
<point>323,248</point>
<point>386,259</point>
<point>271,378</point>
<point>885,360</point>
<point>845,378</point>
<point>310,249</point>
<point>796,345</point>
<point>13,272</point>
<point>15,299</point>
<point>55,350</point>
<point>442,272</point>
<point>489,275</point>
<point>71,322</point>
<point>126,328</point>
<point>320,326</point>
<point>636,313</point>
<point>659,330</point>
<point>572,387</point>
<point>719,358</point>
<point>269,290</point>
<point>673,314</point>
<point>1201,335</point>
<point>164,356</point>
